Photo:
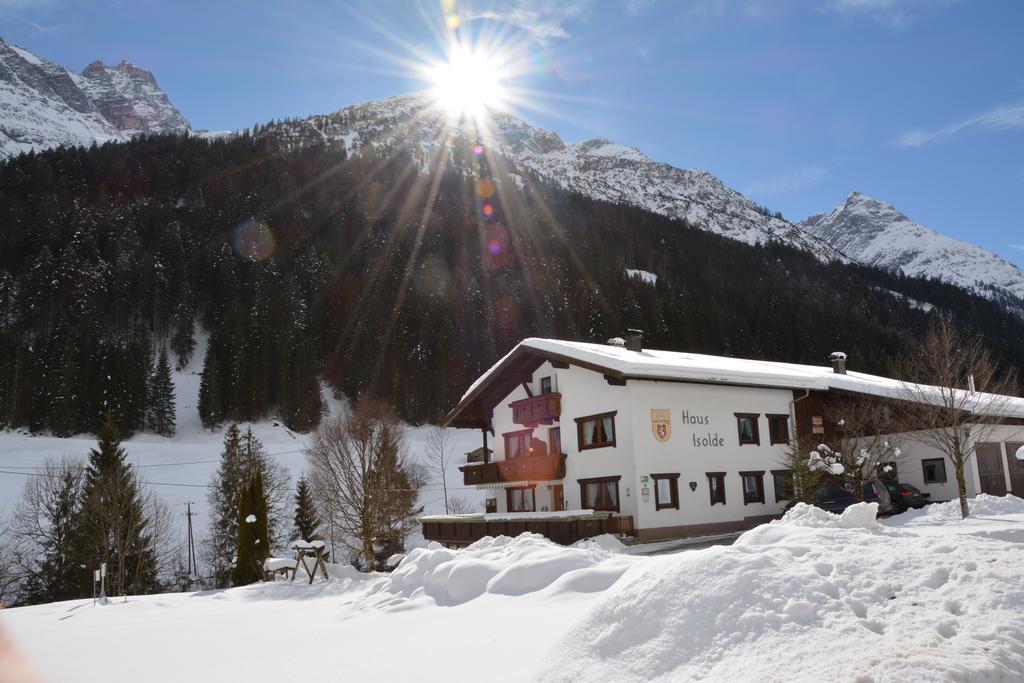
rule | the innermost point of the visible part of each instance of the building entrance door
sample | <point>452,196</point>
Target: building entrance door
<point>990,469</point>
<point>557,498</point>
<point>1016,468</point>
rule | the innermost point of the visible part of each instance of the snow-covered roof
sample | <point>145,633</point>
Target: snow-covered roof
<point>696,367</point>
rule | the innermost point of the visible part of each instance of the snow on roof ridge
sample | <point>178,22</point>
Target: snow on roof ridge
<point>682,365</point>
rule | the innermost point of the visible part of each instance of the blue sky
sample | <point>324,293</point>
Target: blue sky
<point>795,103</point>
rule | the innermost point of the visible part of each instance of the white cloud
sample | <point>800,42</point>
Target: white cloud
<point>1018,246</point>
<point>541,21</point>
<point>1006,117</point>
<point>791,181</point>
<point>643,53</point>
<point>896,14</point>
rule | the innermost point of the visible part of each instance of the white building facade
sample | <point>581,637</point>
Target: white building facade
<point>682,444</point>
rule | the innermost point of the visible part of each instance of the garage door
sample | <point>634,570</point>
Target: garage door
<point>1016,469</point>
<point>990,469</point>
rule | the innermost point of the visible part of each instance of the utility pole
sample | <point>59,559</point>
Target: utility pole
<point>193,568</point>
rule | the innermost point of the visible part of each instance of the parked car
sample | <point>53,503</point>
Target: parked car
<point>835,498</point>
<point>877,492</point>
<point>906,496</point>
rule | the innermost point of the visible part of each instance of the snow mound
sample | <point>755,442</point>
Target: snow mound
<point>803,514</point>
<point>516,566</point>
<point>607,542</point>
<point>981,505</point>
<point>804,600</point>
<point>857,516</point>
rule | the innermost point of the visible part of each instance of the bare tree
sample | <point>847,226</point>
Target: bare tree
<point>439,455</point>
<point>360,472</point>
<point>865,438</point>
<point>962,396</point>
<point>10,577</point>
<point>43,566</point>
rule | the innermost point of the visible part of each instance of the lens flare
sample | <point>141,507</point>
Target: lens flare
<point>253,240</point>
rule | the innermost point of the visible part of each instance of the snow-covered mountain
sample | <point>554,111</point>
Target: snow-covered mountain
<point>595,168</point>
<point>44,104</point>
<point>875,233</point>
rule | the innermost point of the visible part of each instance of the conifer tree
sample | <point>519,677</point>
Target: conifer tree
<point>307,523</point>
<point>253,538</point>
<point>113,522</point>
<point>223,497</point>
<point>211,409</point>
<point>160,411</point>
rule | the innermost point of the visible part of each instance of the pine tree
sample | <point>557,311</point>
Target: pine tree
<point>211,409</point>
<point>114,526</point>
<point>253,537</point>
<point>307,523</point>
<point>160,410</point>
<point>225,491</point>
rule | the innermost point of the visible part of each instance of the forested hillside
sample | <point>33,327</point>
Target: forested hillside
<point>384,276</point>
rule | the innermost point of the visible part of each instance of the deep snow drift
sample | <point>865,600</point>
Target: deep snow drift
<point>922,596</point>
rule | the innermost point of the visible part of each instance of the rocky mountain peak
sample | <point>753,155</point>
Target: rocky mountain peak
<point>875,233</point>
<point>44,104</point>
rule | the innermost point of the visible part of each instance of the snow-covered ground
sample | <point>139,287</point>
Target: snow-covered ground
<point>180,468</point>
<point>922,596</point>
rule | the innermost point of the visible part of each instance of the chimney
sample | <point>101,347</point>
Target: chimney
<point>635,340</point>
<point>838,359</point>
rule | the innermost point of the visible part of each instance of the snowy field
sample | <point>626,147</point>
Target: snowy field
<point>920,597</point>
<point>180,468</point>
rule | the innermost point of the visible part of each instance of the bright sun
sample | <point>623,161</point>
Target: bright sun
<point>469,83</point>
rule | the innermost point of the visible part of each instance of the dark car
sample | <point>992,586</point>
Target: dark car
<point>834,498</point>
<point>877,492</point>
<point>905,497</point>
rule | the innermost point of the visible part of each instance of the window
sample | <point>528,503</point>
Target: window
<point>517,444</point>
<point>783,480</point>
<point>555,440</point>
<point>716,487</point>
<point>666,491</point>
<point>753,487</point>
<point>934,470</point>
<point>596,431</point>
<point>545,385</point>
<point>746,424</point>
<point>520,499</point>
<point>601,493</point>
<point>778,429</point>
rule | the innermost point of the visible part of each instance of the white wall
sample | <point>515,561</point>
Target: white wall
<point>716,406</point>
<point>638,453</point>
<point>912,472</point>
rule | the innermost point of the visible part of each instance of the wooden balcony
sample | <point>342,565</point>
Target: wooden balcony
<point>536,410</point>
<point>526,468</point>
<point>462,530</point>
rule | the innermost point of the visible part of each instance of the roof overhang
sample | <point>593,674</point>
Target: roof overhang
<point>474,410</point>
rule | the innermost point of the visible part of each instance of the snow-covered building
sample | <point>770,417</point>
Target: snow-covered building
<point>675,444</point>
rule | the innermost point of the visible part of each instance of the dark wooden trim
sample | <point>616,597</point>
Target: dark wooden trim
<point>720,476</point>
<point>757,430</point>
<point>526,388</point>
<point>760,486</point>
<point>924,471</point>
<point>601,480</point>
<point>785,424</point>
<point>508,497</point>
<point>559,365</point>
<point>605,444</point>
<point>615,381</point>
<point>673,502</point>
<point>688,530</point>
